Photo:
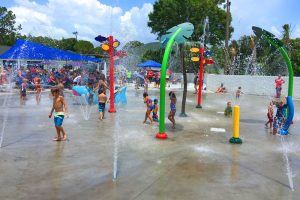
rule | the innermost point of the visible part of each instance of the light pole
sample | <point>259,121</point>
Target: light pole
<point>75,33</point>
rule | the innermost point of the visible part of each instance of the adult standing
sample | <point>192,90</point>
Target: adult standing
<point>278,82</point>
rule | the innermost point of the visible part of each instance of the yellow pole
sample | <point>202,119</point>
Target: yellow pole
<point>236,122</point>
<point>236,126</point>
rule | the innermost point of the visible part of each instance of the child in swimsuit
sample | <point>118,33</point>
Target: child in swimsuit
<point>279,117</point>
<point>23,91</point>
<point>155,110</point>
<point>270,115</point>
<point>38,88</point>
<point>59,106</point>
<point>238,92</point>
<point>228,110</point>
<point>102,99</point>
<point>148,102</point>
<point>173,108</point>
<point>90,90</point>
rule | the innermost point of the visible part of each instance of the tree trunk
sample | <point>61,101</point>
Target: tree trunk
<point>181,50</point>
<point>226,67</point>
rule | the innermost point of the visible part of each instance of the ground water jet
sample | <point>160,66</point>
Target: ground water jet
<point>285,150</point>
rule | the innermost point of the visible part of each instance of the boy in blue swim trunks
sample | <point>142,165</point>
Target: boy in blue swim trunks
<point>60,107</point>
<point>102,99</point>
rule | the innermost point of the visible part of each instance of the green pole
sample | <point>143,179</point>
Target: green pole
<point>288,62</point>
<point>163,73</point>
<point>290,68</point>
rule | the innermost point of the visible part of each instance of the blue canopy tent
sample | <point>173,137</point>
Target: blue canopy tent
<point>149,63</point>
<point>27,50</point>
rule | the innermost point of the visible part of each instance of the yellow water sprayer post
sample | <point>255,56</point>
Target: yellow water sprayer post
<point>236,126</point>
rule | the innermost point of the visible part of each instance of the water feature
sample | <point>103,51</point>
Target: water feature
<point>85,107</point>
<point>116,139</point>
<point>7,98</point>
<point>5,105</point>
<point>285,149</point>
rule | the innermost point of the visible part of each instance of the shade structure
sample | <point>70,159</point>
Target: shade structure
<point>149,63</point>
<point>27,50</point>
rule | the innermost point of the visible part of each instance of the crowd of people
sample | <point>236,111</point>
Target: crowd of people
<point>37,79</point>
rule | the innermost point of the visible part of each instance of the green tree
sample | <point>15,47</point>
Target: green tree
<point>132,44</point>
<point>168,13</point>
<point>84,47</point>
<point>152,55</point>
<point>68,44</point>
<point>8,29</point>
<point>43,40</point>
<point>295,55</point>
<point>99,52</point>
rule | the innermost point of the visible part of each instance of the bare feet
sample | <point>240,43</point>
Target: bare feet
<point>65,138</point>
<point>56,139</point>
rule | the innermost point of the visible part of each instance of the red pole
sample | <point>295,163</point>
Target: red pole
<point>112,108</point>
<point>200,77</point>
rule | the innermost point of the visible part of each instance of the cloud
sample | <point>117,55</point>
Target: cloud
<point>59,18</point>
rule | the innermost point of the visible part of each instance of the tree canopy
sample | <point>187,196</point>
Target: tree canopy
<point>8,28</point>
<point>168,13</point>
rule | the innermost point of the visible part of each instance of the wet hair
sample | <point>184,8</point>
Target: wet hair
<point>172,94</point>
<point>240,87</point>
<point>54,90</point>
<point>145,94</point>
<point>100,91</point>
<point>155,101</point>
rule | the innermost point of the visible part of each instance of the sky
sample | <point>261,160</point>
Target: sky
<point>127,19</point>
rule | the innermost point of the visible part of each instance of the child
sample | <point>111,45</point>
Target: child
<point>148,102</point>
<point>146,84</point>
<point>90,93</point>
<point>59,106</point>
<point>173,108</point>
<point>228,110</point>
<point>270,115</point>
<point>102,99</point>
<point>38,88</point>
<point>279,117</point>
<point>238,92</point>
<point>155,110</point>
<point>23,91</point>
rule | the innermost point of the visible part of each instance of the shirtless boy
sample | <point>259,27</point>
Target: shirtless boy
<point>59,106</point>
<point>102,99</point>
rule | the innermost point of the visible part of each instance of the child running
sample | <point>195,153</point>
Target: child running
<point>148,102</point>
<point>155,110</point>
<point>270,115</point>
<point>59,106</point>
<point>102,99</point>
<point>173,108</point>
<point>38,88</point>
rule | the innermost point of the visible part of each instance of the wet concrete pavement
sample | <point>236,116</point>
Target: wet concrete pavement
<point>194,163</point>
